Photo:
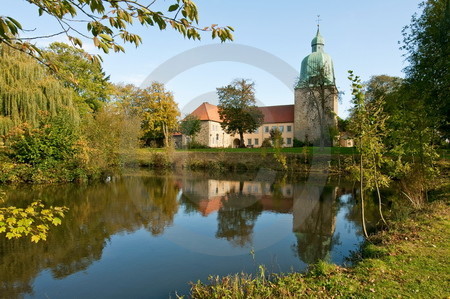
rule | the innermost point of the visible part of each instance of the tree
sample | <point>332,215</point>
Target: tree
<point>367,123</point>
<point>107,22</point>
<point>158,111</point>
<point>410,137</point>
<point>319,95</point>
<point>190,126</point>
<point>427,45</point>
<point>237,108</point>
<point>77,72</point>
<point>277,137</point>
<point>26,89</point>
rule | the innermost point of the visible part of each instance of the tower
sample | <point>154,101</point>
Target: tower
<point>316,96</point>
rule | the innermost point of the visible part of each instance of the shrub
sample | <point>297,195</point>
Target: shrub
<point>277,137</point>
<point>52,140</point>
<point>299,143</point>
<point>266,143</point>
<point>196,145</point>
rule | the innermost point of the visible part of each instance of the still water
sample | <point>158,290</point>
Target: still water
<point>145,235</point>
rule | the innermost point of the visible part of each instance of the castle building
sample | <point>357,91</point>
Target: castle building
<point>309,119</point>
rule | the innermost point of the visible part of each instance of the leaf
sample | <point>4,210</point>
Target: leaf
<point>173,7</point>
<point>35,238</point>
<point>56,221</point>
<point>106,37</point>
<point>96,41</point>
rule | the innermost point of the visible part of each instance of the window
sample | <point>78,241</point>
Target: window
<point>289,128</point>
<point>256,131</point>
<point>217,136</point>
<point>249,141</point>
<point>289,141</point>
<point>274,127</point>
<point>281,128</point>
<point>256,141</point>
<point>266,129</point>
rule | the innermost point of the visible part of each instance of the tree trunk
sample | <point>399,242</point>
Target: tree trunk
<point>166,135</point>
<point>378,191</point>
<point>361,193</point>
<point>241,135</point>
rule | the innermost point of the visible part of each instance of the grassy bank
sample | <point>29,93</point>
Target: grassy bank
<point>409,260</point>
<point>247,159</point>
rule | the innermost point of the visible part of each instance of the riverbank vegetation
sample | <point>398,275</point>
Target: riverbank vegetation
<point>409,260</point>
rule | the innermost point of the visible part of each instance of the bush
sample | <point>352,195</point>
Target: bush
<point>266,143</point>
<point>298,143</point>
<point>196,145</point>
<point>277,137</point>
<point>52,140</point>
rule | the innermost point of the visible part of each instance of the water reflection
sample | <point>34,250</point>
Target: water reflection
<point>238,208</point>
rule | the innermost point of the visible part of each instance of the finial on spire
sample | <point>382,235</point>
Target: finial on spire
<point>318,21</point>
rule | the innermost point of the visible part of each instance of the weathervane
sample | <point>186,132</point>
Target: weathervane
<point>318,21</point>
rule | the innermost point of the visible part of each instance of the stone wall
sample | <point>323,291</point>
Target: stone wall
<point>306,118</point>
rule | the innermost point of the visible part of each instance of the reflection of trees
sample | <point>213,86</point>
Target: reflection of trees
<point>236,218</point>
<point>96,213</point>
<point>314,222</point>
<point>370,208</point>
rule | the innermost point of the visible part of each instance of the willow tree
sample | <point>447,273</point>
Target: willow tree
<point>26,89</point>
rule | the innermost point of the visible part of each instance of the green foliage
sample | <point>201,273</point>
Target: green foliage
<point>342,124</point>
<point>156,108</point>
<point>368,124</point>
<point>427,45</point>
<point>410,134</point>
<point>52,140</point>
<point>26,88</point>
<point>266,143</point>
<point>108,20</point>
<point>105,135</point>
<point>33,221</point>
<point>237,108</point>
<point>276,136</point>
<point>299,143</point>
<point>190,126</point>
<point>78,72</point>
<point>196,145</point>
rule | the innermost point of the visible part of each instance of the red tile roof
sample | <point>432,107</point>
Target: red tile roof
<point>278,114</point>
<point>272,114</point>
<point>206,111</point>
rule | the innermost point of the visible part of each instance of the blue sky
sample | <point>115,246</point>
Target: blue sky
<point>359,35</point>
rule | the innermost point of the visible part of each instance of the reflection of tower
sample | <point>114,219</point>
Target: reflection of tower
<point>316,89</point>
<point>314,222</point>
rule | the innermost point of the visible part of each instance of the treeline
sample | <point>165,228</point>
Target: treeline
<point>73,123</point>
<point>399,124</point>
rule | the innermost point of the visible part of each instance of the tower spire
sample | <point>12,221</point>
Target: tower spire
<point>318,22</point>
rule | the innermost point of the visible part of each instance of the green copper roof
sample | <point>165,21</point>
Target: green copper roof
<point>315,63</point>
<point>318,39</point>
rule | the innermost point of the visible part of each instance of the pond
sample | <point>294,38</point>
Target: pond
<point>147,235</point>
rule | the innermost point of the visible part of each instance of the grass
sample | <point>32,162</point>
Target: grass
<point>409,260</point>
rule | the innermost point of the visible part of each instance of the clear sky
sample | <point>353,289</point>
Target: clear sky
<point>359,35</point>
